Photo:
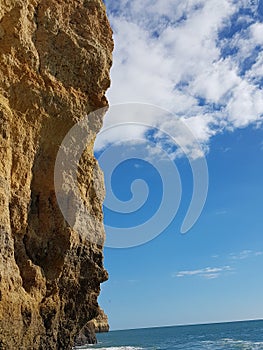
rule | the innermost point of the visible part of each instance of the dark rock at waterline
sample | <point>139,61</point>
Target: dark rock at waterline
<point>87,335</point>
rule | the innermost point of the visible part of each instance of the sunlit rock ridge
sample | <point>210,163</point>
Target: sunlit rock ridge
<point>55,58</point>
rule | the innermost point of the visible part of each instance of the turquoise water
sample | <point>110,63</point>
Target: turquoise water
<point>224,336</point>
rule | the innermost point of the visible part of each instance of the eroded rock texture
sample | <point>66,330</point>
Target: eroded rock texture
<point>55,57</point>
<point>87,335</point>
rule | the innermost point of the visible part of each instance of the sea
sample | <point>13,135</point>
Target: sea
<point>246,335</point>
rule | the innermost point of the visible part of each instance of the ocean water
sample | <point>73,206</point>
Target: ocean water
<point>221,336</point>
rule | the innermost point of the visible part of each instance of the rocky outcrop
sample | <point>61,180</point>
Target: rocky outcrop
<point>101,323</point>
<point>87,335</point>
<point>55,58</point>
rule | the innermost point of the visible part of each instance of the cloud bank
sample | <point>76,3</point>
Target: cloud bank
<point>200,59</point>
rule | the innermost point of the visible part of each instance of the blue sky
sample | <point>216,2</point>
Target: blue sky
<point>201,60</point>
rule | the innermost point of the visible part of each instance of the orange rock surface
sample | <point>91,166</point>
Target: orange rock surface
<point>55,58</point>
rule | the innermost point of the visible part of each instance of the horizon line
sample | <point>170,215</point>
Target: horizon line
<point>187,325</point>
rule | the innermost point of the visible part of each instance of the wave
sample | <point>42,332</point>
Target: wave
<point>109,348</point>
<point>233,344</point>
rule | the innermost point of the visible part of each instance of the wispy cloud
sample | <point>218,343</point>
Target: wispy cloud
<point>207,273</point>
<point>215,272</point>
<point>245,254</point>
<point>188,57</point>
<point>221,212</point>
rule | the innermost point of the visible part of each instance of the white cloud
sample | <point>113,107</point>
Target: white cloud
<point>208,272</point>
<point>170,53</point>
<point>241,255</point>
<point>245,254</point>
<point>215,272</point>
<point>256,73</point>
<point>256,33</point>
<point>245,105</point>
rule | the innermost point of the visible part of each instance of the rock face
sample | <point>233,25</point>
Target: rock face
<point>101,324</point>
<point>55,58</point>
<point>88,333</point>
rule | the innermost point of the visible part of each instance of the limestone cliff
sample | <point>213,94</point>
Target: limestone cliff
<point>55,57</point>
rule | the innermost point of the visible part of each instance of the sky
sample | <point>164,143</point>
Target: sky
<point>201,61</point>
